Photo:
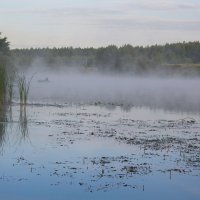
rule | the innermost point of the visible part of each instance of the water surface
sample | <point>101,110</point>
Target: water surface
<point>99,152</point>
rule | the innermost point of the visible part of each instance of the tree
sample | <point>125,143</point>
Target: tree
<point>4,46</point>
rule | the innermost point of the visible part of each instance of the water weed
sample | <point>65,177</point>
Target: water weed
<point>23,87</point>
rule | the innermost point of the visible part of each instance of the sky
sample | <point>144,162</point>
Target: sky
<point>96,23</point>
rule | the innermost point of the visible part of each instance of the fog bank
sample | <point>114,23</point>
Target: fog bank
<point>61,87</point>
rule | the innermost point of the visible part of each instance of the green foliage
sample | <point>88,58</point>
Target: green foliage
<point>6,84</point>
<point>5,88</point>
<point>126,58</point>
<point>23,86</point>
<point>4,46</point>
<point>3,83</point>
<point>6,81</point>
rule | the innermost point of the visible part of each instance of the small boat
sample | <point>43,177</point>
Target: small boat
<point>43,80</point>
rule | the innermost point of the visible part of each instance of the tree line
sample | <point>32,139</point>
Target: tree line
<point>125,58</point>
<point>4,49</point>
<point>122,59</point>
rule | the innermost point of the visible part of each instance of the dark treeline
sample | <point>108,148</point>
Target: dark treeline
<point>4,50</point>
<point>126,58</point>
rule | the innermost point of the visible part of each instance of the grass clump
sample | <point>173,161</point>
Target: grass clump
<point>23,87</point>
<point>3,84</point>
<point>6,84</point>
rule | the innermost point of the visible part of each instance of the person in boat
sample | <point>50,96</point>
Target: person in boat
<point>44,80</point>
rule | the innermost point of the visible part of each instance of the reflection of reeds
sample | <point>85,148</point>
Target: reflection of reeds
<point>23,123</point>
<point>6,94</point>
<point>23,87</point>
<point>3,106</point>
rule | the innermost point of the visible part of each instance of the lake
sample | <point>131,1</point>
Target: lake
<point>98,151</point>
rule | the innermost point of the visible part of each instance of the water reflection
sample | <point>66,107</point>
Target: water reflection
<point>91,149</point>
<point>7,124</point>
<point>23,123</point>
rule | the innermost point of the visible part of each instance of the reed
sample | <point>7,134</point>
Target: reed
<point>3,84</point>
<point>3,104</point>
<point>3,126</point>
<point>23,87</point>
<point>10,81</point>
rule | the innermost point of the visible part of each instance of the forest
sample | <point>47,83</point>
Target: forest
<point>176,57</point>
<point>183,58</point>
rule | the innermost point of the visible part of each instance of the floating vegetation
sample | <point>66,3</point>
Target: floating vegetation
<point>95,151</point>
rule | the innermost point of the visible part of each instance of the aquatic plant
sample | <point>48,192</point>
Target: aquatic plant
<point>3,81</point>
<point>6,84</point>
<point>3,125</point>
<point>23,86</point>
<point>10,81</point>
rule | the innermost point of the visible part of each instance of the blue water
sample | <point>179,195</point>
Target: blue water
<point>53,155</point>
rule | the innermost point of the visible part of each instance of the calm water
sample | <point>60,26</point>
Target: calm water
<point>99,152</point>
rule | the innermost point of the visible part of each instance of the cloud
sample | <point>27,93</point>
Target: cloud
<point>102,22</point>
<point>114,17</point>
<point>109,8</point>
<point>151,24</point>
<point>157,5</point>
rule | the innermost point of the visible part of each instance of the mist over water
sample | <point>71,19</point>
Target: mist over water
<point>116,147</point>
<point>73,86</point>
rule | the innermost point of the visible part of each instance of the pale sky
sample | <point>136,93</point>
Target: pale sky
<point>86,23</point>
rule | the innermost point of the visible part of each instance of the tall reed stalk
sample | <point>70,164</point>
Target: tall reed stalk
<point>3,104</point>
<point>6,84</point>
<point>3,126</point>
<point>10,81</point>
<point>23,87</point>
<point>3,84</point>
